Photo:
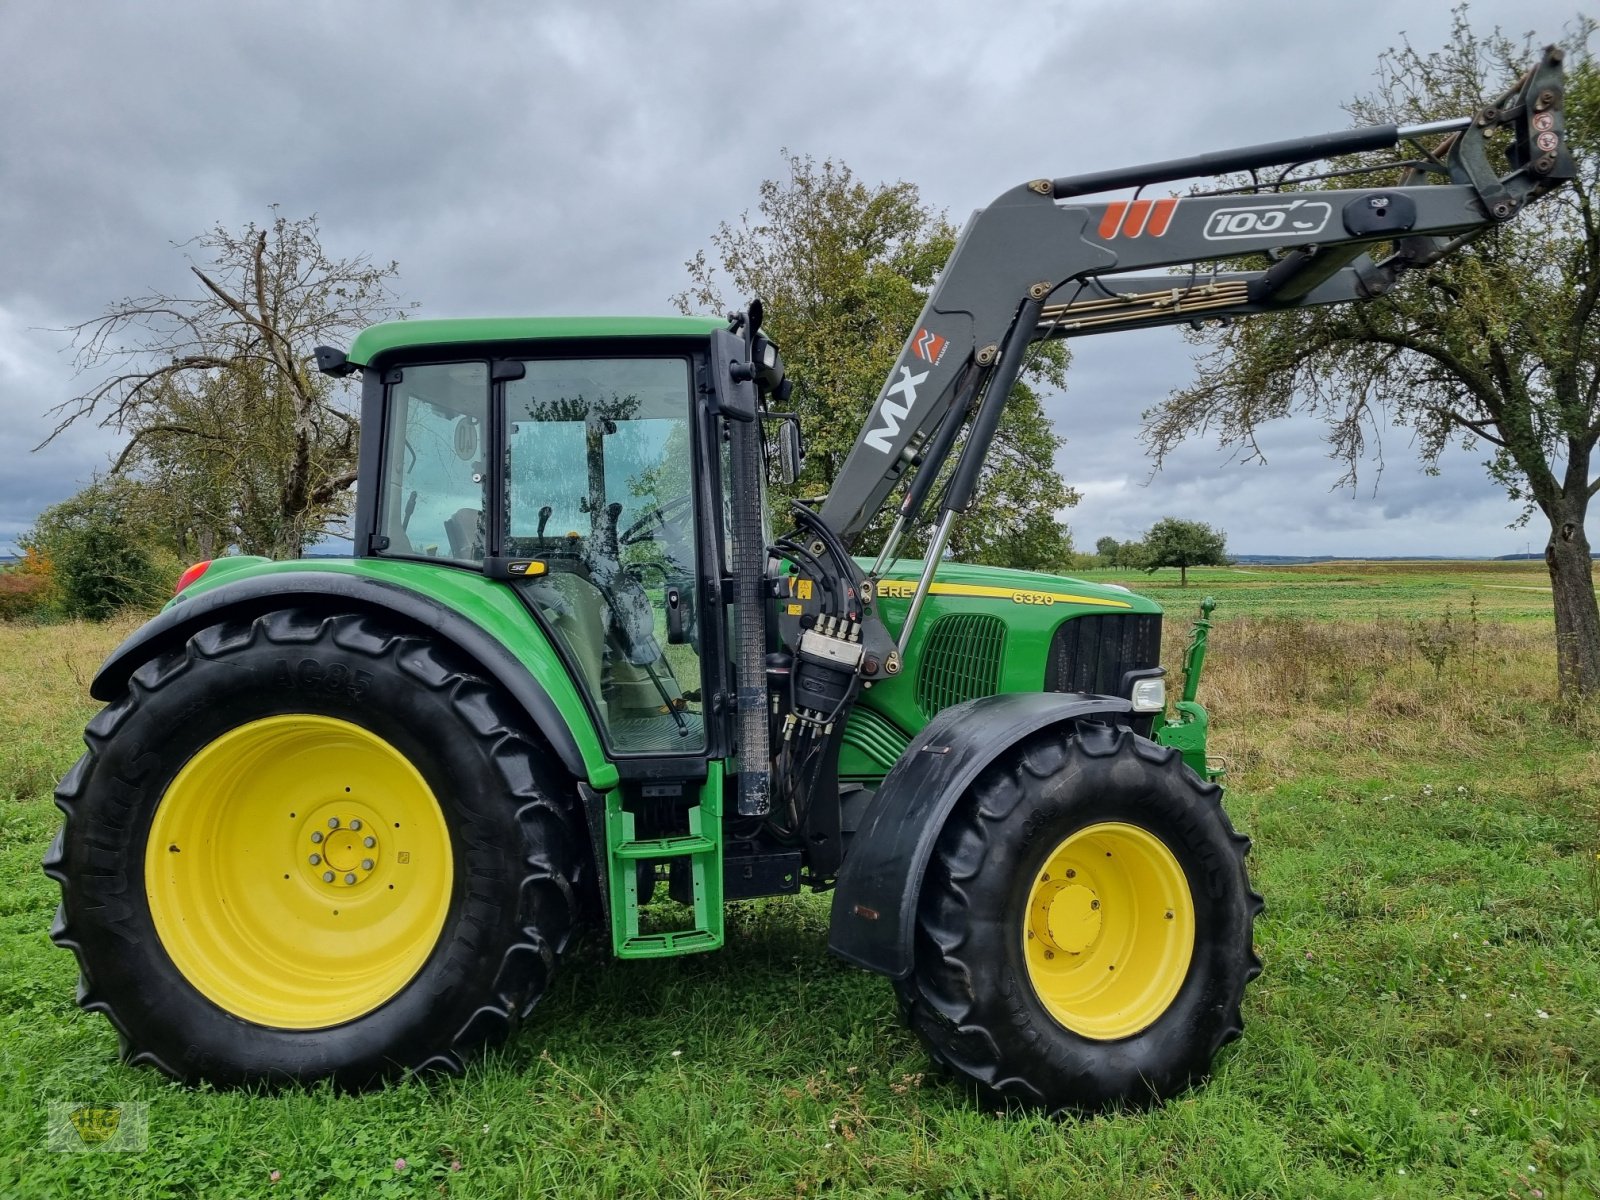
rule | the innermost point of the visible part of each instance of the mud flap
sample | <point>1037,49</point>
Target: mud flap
<point>875,903</point>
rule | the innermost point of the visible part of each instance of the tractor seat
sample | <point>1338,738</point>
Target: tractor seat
<point>465,531</point>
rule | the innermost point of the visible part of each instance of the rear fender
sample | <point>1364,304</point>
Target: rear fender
<point>875,903</point>
<point>345,591</point>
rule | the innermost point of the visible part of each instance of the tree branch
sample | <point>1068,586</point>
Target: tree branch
<point>148,430</point>
<point>327,491</point>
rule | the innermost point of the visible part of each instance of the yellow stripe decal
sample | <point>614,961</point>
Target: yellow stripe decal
<point>895,589</point>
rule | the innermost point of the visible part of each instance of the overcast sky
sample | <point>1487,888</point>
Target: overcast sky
<point>555,158</point>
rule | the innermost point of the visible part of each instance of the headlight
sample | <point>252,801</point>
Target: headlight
<point>1149,695</point>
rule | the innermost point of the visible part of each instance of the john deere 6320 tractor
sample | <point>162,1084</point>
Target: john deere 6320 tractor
<point>341,818</point>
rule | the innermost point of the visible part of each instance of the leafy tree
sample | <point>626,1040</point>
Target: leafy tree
<point>1134,554</point>
<point>100,551</point>
<point>1172,542</point>
<point>843,269</point>
<point>1498,348</point>
<point>1107,548</point>
<point>26,587</point>
<point>229,420</point>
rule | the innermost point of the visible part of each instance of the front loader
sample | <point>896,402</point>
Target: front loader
<point>341,818</point>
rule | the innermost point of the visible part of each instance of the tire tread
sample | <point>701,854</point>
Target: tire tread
<point>543,816</point>
<point>960,1025</point>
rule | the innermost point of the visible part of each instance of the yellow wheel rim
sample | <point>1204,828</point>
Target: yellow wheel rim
<point>298,871</point>
<point>1109,930</point>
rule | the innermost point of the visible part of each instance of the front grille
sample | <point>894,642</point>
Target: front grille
<point>1092,653</point>
<point>960,661</point>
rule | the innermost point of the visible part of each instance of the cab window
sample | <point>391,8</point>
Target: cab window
<point>436,465</point>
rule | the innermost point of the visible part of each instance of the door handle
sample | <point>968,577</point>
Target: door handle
<point>676,635</point>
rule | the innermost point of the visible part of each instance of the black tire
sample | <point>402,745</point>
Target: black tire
<point>509,906</point>
<point>970,996</point>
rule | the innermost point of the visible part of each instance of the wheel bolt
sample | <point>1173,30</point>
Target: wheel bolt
<point>369,841</point>
<point>327,877</point>
<point>316,836</point>
<point>1094,904</point>
<point>1049,953</point>
<point>316,859</point>
<point>1169,916</point>
<point>1045,878</point>
<point>356,823</point>
<point>1071,875</point>
<point>333,822</point>
<point>366,864</point>
<point>349,878</point>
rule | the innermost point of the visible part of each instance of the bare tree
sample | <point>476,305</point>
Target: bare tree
<point>217,390</point>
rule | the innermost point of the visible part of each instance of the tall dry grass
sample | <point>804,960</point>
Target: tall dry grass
<point>1276,686</point>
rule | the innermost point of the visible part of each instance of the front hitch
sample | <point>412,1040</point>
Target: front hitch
<point>1187,732</point>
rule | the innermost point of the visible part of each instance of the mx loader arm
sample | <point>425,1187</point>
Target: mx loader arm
<point>1042,262</point>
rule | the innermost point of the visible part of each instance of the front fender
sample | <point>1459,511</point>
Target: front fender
<point>875,903</point>
<point>480,618</point>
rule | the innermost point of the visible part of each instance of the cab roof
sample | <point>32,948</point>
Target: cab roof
<point>409,335</point>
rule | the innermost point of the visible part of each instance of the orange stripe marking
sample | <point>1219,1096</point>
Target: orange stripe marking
<point>1136,218</point>
<point>1112,219</point>
<point>1162,216</point>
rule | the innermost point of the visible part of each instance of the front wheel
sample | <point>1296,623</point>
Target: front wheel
<point>311,847</point>
<point>1084,930</point>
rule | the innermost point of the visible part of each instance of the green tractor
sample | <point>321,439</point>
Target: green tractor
<point>340,819</point>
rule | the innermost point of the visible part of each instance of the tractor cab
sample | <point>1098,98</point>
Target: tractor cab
<point>567,468</point>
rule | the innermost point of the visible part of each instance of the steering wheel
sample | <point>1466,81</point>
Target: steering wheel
<point>662,515</point>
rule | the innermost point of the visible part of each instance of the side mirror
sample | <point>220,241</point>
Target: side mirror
<point>733,389</point>
<point>791,447</point>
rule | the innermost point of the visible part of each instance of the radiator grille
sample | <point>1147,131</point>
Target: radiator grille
<point>1091,653</point>
<point>960,661</point>
<point>879,742</point>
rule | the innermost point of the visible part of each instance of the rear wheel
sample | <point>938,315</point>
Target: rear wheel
<point>310,846</point>
<point>1084,931</point>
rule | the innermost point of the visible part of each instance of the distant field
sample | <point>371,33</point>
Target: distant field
<point>1501,591</point>
<point>1427,836</point>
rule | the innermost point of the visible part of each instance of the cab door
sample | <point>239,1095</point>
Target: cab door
<point>600,502</point>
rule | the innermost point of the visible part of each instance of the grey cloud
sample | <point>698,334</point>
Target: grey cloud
<point>568,157</point>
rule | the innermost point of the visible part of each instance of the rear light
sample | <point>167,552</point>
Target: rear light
<point>191,575</point>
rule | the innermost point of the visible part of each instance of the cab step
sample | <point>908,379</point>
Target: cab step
<point>667,847</point>
<point>700,849</point>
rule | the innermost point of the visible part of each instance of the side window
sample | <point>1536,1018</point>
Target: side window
<point>436,462</point>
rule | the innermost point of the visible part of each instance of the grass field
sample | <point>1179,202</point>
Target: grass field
<point>1501,591</point>
<point>1428,1023</point>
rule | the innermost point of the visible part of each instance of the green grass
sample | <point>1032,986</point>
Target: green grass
<point>1502,591</point>
<point>1428,1023</point>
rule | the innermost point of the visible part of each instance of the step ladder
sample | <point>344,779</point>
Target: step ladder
<point>702,846</point>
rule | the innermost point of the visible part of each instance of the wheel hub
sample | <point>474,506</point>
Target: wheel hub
<point>1109,930</point>
<point>342,844</point>
<point>1072,919</point>
<point>298,871</point>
